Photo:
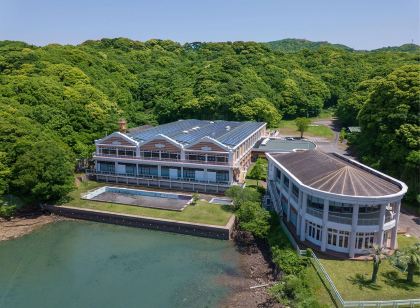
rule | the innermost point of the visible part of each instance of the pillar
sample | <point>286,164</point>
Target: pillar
<point>299,222</point>
<point>137,151</point>
<point>352,240</point>
<point>394,242</point>
<point>302,219</point>
<point>381,225</point>
<point>324,225</point>
<point>159,170</point>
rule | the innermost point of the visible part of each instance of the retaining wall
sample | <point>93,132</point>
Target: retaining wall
<point>210,231</point>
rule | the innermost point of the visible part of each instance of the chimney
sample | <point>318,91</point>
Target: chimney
<point>123,125</point>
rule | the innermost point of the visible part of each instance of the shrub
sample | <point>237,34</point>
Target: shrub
<point>241,195</point>
<point>253,218</point>
<point>195,198</point>
<point>7,211</point>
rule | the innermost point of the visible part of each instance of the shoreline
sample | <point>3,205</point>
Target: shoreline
<point>257,271</point>
<point>23,225</point>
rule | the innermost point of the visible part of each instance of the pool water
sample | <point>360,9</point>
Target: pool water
<point>88,264</point>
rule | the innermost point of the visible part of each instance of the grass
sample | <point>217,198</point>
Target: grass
<point>318,288</point>
<point>203,212</point>
<point>288,127</point>
<point>352,278</point>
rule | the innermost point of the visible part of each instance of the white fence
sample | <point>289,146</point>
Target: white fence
<point>332,289</point>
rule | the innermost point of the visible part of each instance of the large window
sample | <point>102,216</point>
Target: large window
<point>148,170</point>
<point>313,232</point>
<point>340,212</point>
<point>286,183</point>
<point>364,240</point>
<point>126,152</point>
<point>295,192</point>
<point>221,175</point>
<point>105,166</point>
<point>338,238</point>
<point>108,151</point>
<point>189,173</point>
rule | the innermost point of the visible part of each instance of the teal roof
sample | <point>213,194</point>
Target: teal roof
<point>280,145</point>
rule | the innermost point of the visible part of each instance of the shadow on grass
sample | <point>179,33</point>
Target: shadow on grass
<point>393,279</point>
<point>363,283</point>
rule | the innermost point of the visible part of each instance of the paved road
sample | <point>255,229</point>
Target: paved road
<point>410,224</point>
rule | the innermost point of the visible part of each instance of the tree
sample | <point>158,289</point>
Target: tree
<point>302,125</point>
<point>241,195</point>
<point>408,259</point>
<point>253,218</point>
<point>377,253</point>
<point>44,172</point>
<point>259,170</point>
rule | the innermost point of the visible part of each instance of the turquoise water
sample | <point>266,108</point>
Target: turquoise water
<point>87,264</point>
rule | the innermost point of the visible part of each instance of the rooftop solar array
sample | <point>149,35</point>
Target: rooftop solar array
<point>230,133</point>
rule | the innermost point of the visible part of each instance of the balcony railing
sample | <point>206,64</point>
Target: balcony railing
<point>314,212</point>
<point>341,218</point>
<point>165,159</point>
<point>155,177</point>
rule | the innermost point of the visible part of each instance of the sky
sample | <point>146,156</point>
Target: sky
<point>360,24</point>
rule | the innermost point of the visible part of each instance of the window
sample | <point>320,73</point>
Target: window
<point>148,170</point>
<point>278,173</point>
<point>222,159</point>
<point>286,183</point>
<point>364,240</point>
<point>106,166</point>
<point>189,173</point>
<point>130,169</point>
<point>313,231</point>
<point>338,238</point>
<point>221,175</point>
<point>126,152</point>
<point>315,203</point>
<point>295,191</point>
<point>108,151</point>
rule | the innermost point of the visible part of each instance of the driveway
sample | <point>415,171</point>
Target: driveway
<point>410,224</point>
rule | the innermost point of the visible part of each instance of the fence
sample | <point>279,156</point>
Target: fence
<point>332,289</point>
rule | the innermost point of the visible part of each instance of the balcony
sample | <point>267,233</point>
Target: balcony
<point>314,212</point>
<point>157,159</point>
<point>154,177</point>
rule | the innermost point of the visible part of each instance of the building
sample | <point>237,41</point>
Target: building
<point>334,203</point>
<point>195,155</point>
<point>280,145</point>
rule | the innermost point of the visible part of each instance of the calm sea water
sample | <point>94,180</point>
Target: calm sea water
<point>87,264</point>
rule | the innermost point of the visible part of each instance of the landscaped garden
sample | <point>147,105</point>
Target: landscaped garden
<point>353,278</point>
<point>203,212</point>
<point>288,127</point>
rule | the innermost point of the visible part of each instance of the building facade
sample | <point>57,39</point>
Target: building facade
<point>334,203</point>
<point>195,155</point>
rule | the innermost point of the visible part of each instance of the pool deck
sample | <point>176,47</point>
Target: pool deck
<point>166,225</point>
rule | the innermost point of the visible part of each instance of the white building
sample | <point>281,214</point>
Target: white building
<point>194,155</point>
<point>336,204</point>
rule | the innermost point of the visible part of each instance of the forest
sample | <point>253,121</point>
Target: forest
<point>57,99</point>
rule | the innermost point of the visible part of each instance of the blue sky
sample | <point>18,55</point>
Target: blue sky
<point>361,24</point>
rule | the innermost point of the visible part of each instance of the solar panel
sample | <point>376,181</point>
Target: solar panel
<point>189,131</point>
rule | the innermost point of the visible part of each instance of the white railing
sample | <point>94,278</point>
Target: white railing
<point>332,289</point>
<point>155,177</point>
<point>313,212</point>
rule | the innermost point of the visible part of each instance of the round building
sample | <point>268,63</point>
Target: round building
<point>333,203</point>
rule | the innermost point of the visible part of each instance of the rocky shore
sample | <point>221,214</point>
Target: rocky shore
<point>250,287</point>
<point>19,226</point>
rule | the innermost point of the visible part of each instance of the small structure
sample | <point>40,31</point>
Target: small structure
<point>354,129</point>
<point>280,145</point>
<point>193,155</point>
<point>335,203</point>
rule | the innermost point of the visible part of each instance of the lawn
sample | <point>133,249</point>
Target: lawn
<point>352,279</point>
<point>203,212</point>
<point>288,127</point>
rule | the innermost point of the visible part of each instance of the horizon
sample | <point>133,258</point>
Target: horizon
<point>358,25</point>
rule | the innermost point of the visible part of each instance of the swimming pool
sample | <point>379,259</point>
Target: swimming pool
<point>139,197</point>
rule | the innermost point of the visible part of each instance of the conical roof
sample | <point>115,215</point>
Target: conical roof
<point>334,174</point>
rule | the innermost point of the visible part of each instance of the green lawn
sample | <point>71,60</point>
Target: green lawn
<point>288,127</point>
<point>352,278</point>
<point>203,212</point>
<point>318,288</point>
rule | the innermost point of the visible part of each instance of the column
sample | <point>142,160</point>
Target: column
<point>288,200</point>
<point>394,242</point>
<point>352,240</point>
<point>324,225</point>
<point>159,169</point>
<point>302,220</point>
<point>137,151</point>
<point>182,155</point>
<point>381,225</point>
<point>299,222</point>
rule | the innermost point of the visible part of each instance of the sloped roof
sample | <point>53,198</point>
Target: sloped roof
<point>229,133</point>
<point>334,174</point>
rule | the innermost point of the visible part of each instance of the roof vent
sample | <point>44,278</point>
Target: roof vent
<point>185,131</point>
<point>228,128</point>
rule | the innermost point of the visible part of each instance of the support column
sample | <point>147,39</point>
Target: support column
<point>299,222</point>
<point>352,240</point>
<point>394,241</point>
<point>159,170</point>
<point>324,225</point>
<point>288,200</point>
<point>380,237</point>
<point>302,220</point>
<point>137,151</point>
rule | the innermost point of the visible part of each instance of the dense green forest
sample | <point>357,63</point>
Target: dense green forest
<point>56,100</point>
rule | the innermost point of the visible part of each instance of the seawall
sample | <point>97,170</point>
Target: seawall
<point>195,229</point>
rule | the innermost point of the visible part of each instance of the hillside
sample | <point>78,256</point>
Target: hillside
<point>56,100</point>
<point>403,48</point>
<point>295,45</point>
